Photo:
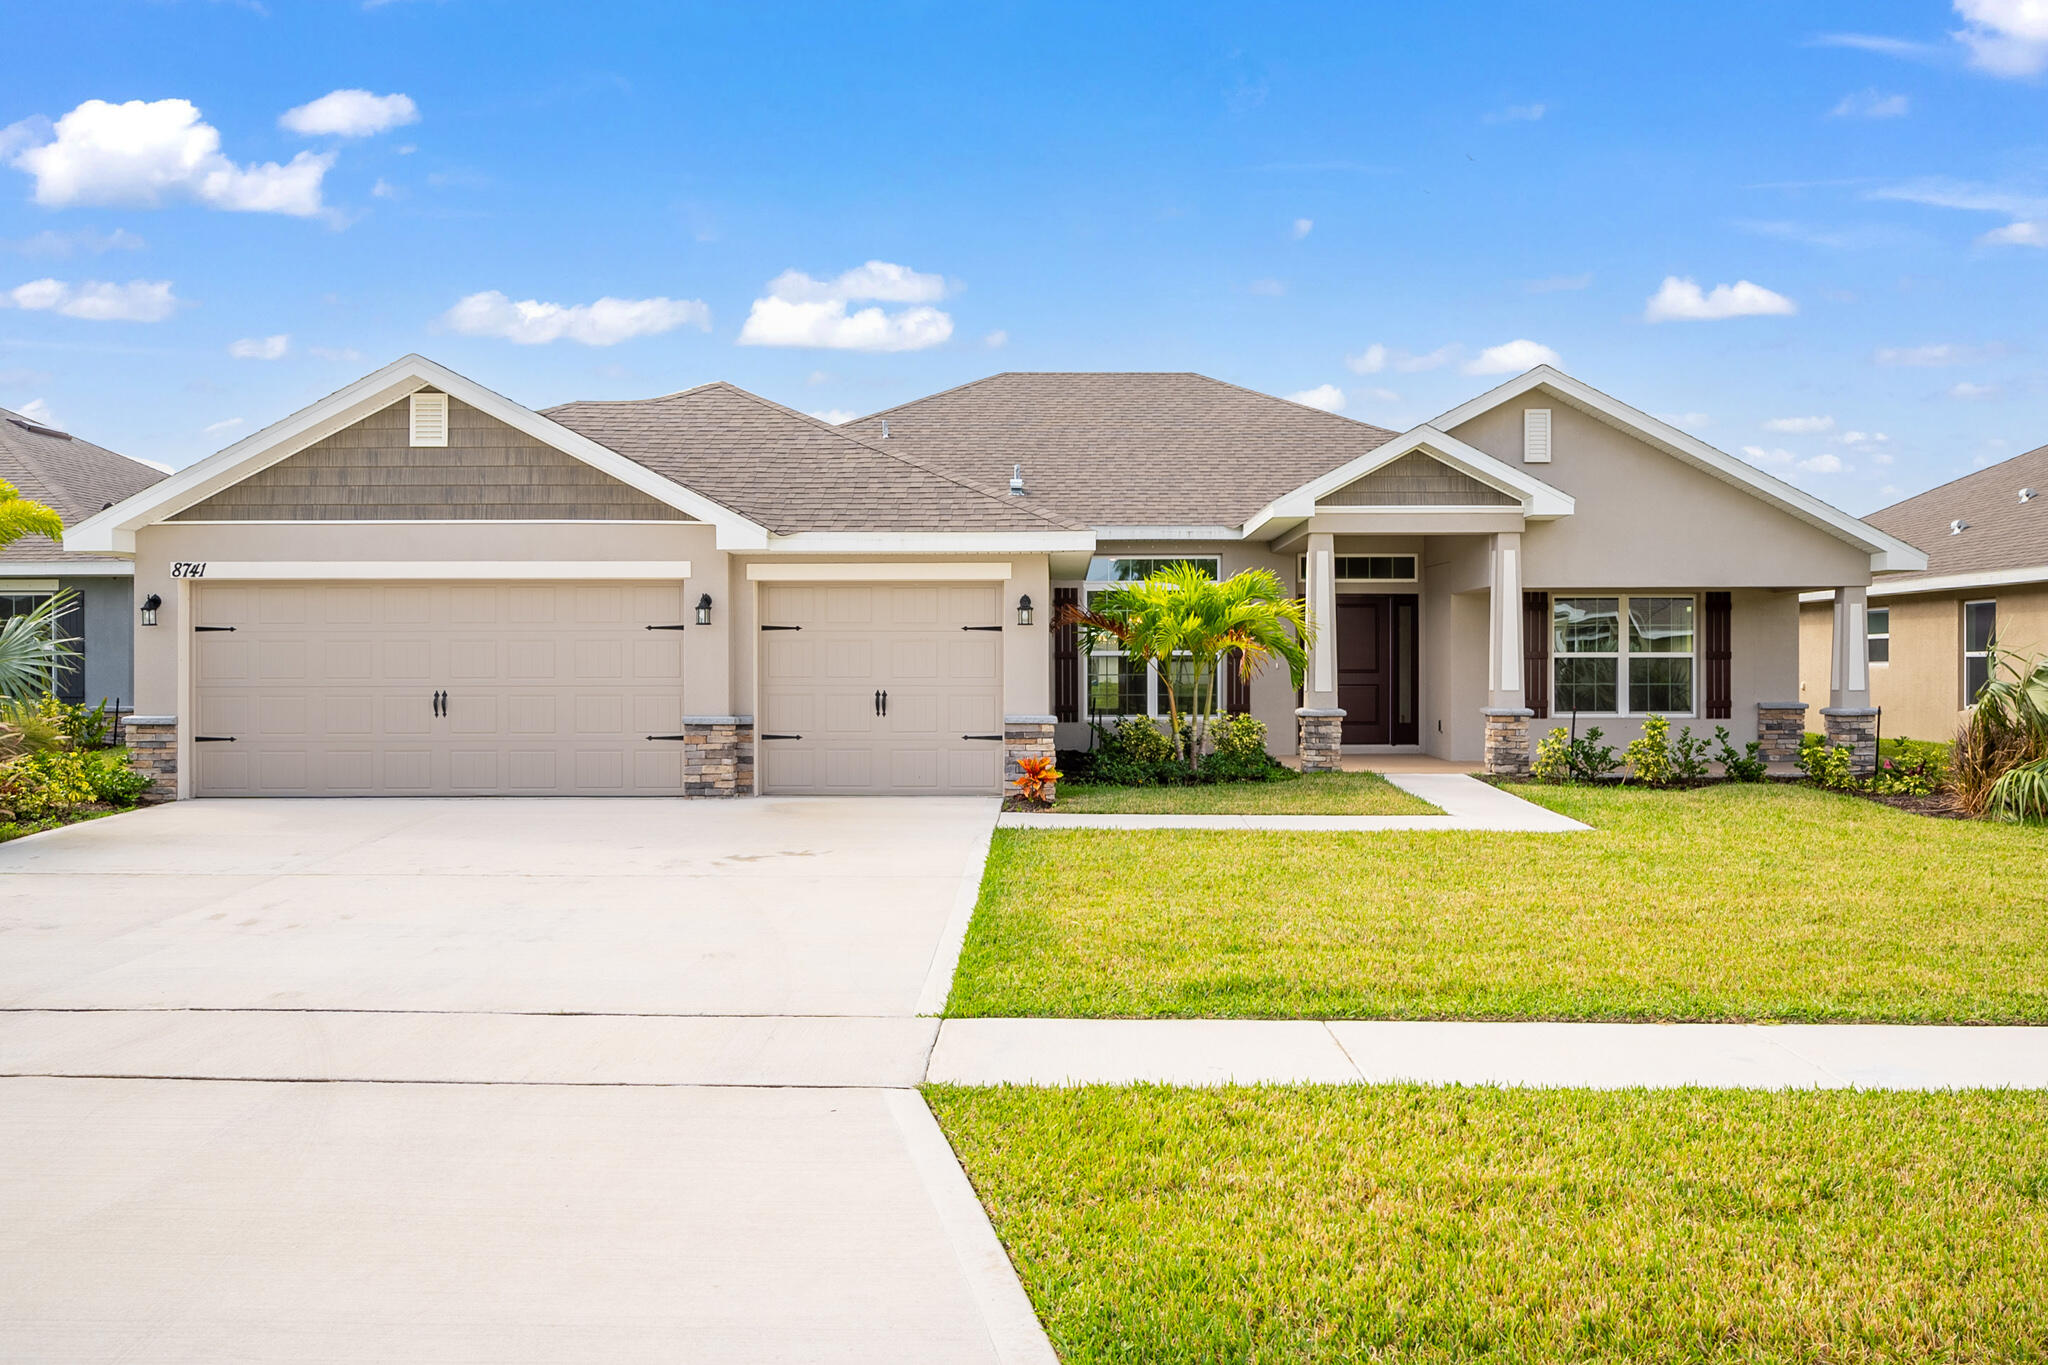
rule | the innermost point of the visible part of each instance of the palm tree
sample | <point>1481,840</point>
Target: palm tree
<point>33,647</point>
<point>1182,622</point>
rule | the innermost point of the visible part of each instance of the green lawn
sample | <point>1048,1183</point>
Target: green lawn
<point>1727,902</point>
<point>1415,1224</point>
<point>1306,794</point>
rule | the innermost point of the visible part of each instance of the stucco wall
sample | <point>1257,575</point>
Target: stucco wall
<point>109,637</point>
<point>1647,518</point>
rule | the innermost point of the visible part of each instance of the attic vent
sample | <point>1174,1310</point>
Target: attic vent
<point>1016,478</point>
<point>885,428</point>
<point>39,429</point>
<point>1535,435</point>
<point>430,419</point>
<point>2027,495</point>
<point>1958,526</point>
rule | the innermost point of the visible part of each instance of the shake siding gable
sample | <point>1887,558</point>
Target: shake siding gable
<point>488,471</point>
<point>1415,480</point>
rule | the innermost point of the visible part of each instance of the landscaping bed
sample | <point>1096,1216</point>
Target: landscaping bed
<point>1737,901</point>
<point>1289,793</point>
<point>1429,1224</point>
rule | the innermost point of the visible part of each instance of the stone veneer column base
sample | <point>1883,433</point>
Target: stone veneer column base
<point>153,749</point>
<point>1026,737</point>
<point>1319,739</point>
<point>1507,740</point>
<point>718,755</point>
<point>1780,725</point>
<point>1855,728</point>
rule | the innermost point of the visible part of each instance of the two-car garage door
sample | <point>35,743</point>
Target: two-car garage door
<point>445,688</point>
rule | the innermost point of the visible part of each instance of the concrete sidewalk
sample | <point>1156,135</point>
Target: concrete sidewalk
<point>1466,803</point>
<point>1599,1056</point>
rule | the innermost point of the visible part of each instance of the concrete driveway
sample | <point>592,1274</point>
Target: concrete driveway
<point>489,1081</point>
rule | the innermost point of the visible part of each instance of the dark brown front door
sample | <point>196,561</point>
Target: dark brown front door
<point>1376,667</point>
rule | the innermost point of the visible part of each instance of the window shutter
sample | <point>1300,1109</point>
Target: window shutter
<point>1066,657</point>
<point>1237,688</point>
<point>1535,435</point>
<point>1536,652</point>
<point>430,419</point>
<point>1720,655</point>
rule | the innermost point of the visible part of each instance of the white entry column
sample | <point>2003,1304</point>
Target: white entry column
<point>1320,719</point>
<point>1849,718</point>
<point>1507,711</point>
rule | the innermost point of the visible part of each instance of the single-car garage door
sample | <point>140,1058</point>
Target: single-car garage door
<point>427,689</point>
<point>889,688</point>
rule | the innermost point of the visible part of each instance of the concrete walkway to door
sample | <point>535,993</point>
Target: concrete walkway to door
<point>543,1080</point>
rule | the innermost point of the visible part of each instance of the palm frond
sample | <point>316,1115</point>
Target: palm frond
<point>34,648</point>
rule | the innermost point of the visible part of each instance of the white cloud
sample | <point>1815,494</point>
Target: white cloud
<point>98,300</point>
<point>1519,113</point>
<point>1380,395</point>
<point>2005,37</point>
<point>38,411</point>
<point>383,189</point>
<point>1781,459</point>
<point>50,242</point>
<point>1303,227</point>
<point>1859,440</point>
<point>142,153</point>
<point>350,113</point>
<point>1800,426</point>
<point>1268,287</point>
<point>1934,357</point>
<point>1941,192</point>
<point>1680,300</point>
<point>1823,464</point>
<point>603,323</point>
<point>1871,104</point>
<point>1371,360</point>
<point>801,311</point>
<point>1879,43</point>
<point>836,416</point>
<point>1969,392</point>
<point>1512,357</point>
<point>2033,233</point>
<point>226,424</point>
<point>261,348</point>
<point>347,355</point>
<point>1690,421</point>
<point>1377,357</point>
<point>1555,284</point>
<point>1328,397</point>
<point>996,340</point>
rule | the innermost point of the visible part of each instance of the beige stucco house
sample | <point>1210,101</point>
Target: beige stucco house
<point>419,586</point>
<point>1931,630</point>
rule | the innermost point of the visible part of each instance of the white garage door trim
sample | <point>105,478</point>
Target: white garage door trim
<point>431,570</point>
<point>974,570</point>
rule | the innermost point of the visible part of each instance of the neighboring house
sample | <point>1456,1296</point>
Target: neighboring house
<point>419,586</point>
<point>77,478</point>
<point>1986,580</point>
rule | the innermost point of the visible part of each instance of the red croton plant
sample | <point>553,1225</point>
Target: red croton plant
<point>1035,778</point>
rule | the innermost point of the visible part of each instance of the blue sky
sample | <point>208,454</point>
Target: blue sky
<point>1816,235</point>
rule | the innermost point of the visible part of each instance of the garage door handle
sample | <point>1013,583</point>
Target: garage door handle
<point>981,627</point>
<point>213,739</point>
<point>667,736</point>
<point>782,627</point>
<point>782,736</point>
<point>981,736</point>
<point>196,629</point>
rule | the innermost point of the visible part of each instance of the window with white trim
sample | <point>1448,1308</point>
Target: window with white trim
<point>1980,637</point>
<point>1877,630</point>
<point>66,684</point>
<point>1624,655</point>
<point>1113,686</point>
<point>1368,568</point>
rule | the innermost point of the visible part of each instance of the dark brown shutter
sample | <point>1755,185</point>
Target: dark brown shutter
<point>1720,655</point>
<point>1066,657</point>
<point>1237,688</point>
<point>1536,652</point>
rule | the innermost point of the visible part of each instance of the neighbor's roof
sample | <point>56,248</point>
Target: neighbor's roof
<point>1127,449</point>
<point>75,477</point>
<point>793,473</point>
<point>2003,532</point>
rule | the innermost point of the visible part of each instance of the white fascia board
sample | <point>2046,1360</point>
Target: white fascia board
<point>1105,533</point>
<point>58,568</point>
<point>440,570</point>
<point>1540,501</point>
<point>931,542</point>
<point>113,530</point>
<point>881,571</point>
<point>1887,552</point>
<point>1948,582</point>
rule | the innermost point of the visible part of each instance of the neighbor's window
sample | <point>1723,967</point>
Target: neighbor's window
<point>1103,569</point>
<point>1878,629</point>
<point>1980,635</point>
<point>1609,650</point>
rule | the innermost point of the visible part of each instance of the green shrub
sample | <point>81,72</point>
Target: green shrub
<point>1747,766</point>
<point>1560,758</point>
<point>25,729</point>
<point>112,780</point>
<point>2021,793</point>
<point>87,727</point>
<point>1649,756</point>
<point>1240,737</point>
<point>1139,740</point>
<point>1553,757</point>
<point>46,786</point>
<point>1826,765</point>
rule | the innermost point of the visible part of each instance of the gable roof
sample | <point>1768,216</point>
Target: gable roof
<point>1126,449</point>
<point>57,469</point>
<point>793,473</point>
<point>1537,500</point>
<point>2003,532</point>
<point>1886,551</point>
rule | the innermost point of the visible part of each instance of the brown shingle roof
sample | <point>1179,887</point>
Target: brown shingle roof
<point>2004,533</point>
<point>791,472</point>
<point>1128,449</point>
<point>58,470</point>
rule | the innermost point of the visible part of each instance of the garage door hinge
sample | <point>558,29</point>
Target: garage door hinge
<point>782,627</point>
<point>200,628</point>
<point>213,739</point>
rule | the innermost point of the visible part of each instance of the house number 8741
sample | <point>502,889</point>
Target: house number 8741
<point>188,568</point>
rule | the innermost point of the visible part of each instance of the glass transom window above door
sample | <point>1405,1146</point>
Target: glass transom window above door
<point>1623,655</point>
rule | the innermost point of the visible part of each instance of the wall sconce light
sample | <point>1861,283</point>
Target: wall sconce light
<point>1024,610</point>
<point>704,610</point>
<point>149,606</point>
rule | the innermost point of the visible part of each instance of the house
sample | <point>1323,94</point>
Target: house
<point>1931,630</point>
<point>77,479</point>
<point>417,585</point>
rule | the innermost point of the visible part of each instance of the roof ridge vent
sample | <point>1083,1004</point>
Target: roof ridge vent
<point>885,428</point>
<point>1016,478</point>
<point>1958,526</point>
<point>2027,495</point>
